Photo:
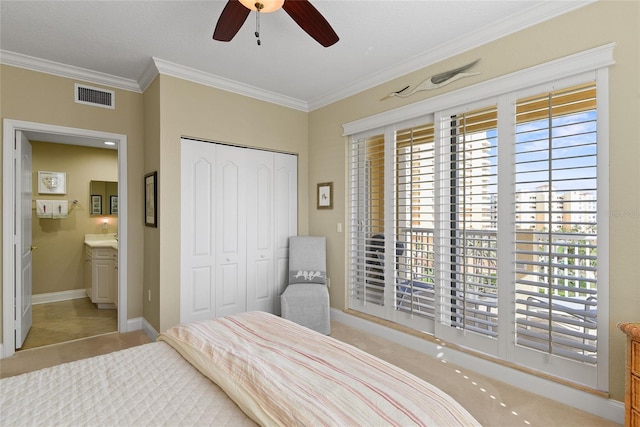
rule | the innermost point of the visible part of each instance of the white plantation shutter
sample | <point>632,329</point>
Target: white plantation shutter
<point>367,205</point>
<point>425,247</point>
<point>467,221</point>
<point>415,210</point>
<point>556,232</point>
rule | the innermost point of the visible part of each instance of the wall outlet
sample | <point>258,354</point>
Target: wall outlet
<point>149,294</point>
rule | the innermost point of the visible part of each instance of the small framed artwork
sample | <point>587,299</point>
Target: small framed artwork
<point>52,182</point>
<point>96,204</point>
<point>325,195</point>
<point>151,199</point>
<point>113,205</point>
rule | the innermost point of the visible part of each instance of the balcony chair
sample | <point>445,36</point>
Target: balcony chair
<point>305,301</point>
<point>409,291</point>
<point>375,257</point>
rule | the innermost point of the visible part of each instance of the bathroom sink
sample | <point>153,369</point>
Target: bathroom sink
<point>101,240</point>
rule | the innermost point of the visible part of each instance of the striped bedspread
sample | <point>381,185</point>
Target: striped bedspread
<point>280,373</point>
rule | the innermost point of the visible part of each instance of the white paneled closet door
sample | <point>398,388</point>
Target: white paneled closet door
<point>231,192</point>
<point>197,251</point>
<point>286,219</point>
<point>239,207</point>
<point>260,231</point>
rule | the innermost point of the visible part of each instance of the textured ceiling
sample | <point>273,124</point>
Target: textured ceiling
<point>379,40</point>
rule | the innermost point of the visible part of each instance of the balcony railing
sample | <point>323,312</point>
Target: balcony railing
<point>556,285</point>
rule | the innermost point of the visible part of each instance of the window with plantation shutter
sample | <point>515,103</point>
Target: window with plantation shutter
<point>556,231</point>
<point>467,201</point>
<point>484,223</point>
<point>367,204</point>
<point>414,215</point>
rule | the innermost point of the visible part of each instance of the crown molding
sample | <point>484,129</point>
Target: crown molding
<point>573,65</point>
<point>489,33</point>
<point>495,30</point>
<point>62,70</point>
<point>148,75</point>
<point>196,76</point>
<point>156,66</point>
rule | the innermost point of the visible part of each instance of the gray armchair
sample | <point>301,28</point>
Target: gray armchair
<point>306,299</point>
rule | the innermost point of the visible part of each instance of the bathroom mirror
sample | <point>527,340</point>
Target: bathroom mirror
<point>103,198</point>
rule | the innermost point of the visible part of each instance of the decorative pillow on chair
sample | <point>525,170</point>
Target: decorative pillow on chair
<point>304,276</point>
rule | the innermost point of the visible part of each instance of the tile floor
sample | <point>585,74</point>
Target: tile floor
<point>69,320</point>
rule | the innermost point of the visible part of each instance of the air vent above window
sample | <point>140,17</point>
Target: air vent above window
<point>94,96</point>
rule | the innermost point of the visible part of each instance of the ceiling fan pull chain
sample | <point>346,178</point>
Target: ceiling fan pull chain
<point>258,26</point>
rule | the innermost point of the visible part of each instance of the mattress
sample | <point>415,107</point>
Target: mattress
<point>148,385</point>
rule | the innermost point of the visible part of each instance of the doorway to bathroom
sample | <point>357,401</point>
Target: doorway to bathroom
<point>76,206</point>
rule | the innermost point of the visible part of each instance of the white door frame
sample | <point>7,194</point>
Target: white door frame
<point>8,219</point>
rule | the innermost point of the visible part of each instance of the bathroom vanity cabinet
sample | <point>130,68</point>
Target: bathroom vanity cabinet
<point>101,275</point>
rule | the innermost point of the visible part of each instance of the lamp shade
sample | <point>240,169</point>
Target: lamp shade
<point>267,5</point>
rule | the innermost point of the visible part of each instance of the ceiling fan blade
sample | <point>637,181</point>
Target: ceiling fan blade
<point>231,19</point>
<point>311,21</point>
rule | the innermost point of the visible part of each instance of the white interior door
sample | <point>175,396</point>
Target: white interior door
<point>230,196</point>
<point>286,218</point>
<point>23,241</point>
<point>260,226</point>
<point>197,271</point>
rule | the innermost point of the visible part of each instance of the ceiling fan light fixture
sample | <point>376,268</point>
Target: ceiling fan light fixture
<point>262,6</point>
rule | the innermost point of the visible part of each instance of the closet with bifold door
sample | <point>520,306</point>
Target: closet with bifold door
<point>239,208</point>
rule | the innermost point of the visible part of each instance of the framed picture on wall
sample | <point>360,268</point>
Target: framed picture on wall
<point>52,182</point>
<point>96,204</point>
<point>325,195</point>
<point>113,205</point>
<point>151,199</point>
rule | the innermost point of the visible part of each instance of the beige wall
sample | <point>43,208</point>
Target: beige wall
<point>191,110</point>
<point>58,263</point>
<point>42,98</point>
<point>151,282</point>
<point>174,108</point>
<point>588,27</point>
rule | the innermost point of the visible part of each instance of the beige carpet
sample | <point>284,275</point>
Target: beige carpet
<point>69,320</point>
<point>491,402</point>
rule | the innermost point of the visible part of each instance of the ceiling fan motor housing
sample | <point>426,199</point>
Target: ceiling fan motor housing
<point>301,11</point>
<point>263,6</point>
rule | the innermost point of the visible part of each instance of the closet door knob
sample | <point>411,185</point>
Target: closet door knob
<point>33,248</point>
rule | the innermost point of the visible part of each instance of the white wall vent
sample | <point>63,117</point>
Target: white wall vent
<point>94,96</point>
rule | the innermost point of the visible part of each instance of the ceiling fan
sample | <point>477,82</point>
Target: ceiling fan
<point>306,16</point>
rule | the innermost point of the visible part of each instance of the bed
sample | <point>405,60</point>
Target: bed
<point>241,370</point>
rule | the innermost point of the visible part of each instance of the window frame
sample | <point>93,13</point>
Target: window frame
<point>591,65</point>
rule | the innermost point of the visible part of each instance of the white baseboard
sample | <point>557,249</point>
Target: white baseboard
<point>140,323</point>
<point>58,296</point>
<point>606,408</point>
<point>134,324</point>
<point>149,330</point>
